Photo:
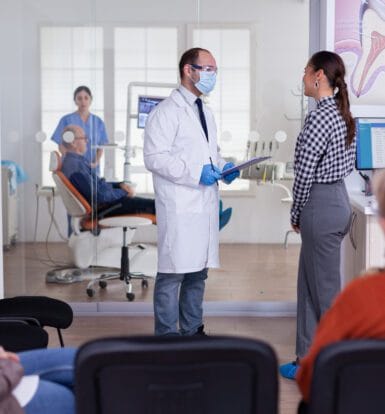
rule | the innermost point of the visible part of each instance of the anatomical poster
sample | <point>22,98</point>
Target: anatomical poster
<point>359,39</point>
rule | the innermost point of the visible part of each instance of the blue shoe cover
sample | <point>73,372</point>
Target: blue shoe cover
<point>289,370</point>
<point>224,217</point>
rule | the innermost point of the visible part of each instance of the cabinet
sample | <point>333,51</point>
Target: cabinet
<point>364,245</point>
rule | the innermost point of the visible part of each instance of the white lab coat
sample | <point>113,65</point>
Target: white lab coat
<point>175,150</point>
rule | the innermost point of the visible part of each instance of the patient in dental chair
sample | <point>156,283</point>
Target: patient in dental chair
<point>116,198</point>
<point>94,189</point>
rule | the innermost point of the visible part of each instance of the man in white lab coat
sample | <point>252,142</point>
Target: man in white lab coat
<point>180,149</point>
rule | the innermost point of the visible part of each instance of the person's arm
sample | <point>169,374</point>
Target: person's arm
<point>95,189</point>
<point>160,132</point>
<point>8,355</point>
<point>11,373</point>
<point>98,156</point>
<point>102,139</point>
<point>309,149</point>
<point>128,189</point>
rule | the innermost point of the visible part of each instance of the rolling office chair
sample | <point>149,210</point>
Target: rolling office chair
<point>23,318</point>
<point>95,244</point>
<point>173,375</point>
<point>348,378</point>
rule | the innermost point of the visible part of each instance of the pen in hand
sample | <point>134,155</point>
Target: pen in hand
<point>212,167</point>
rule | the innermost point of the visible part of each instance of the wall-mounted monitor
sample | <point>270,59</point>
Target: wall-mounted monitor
<point>145,105</point>
<point>370,143</point>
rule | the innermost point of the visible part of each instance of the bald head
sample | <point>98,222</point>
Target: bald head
<point>74,139</point>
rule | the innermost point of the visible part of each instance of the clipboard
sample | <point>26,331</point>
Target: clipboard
<point>245,164</point>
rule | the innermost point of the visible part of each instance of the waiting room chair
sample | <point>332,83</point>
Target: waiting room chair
<point>23,318</point>
<point>175,375</point>
<point>87,230</point>
<point>348,378</point>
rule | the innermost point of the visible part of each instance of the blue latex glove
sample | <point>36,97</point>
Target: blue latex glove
<point>210,174</point>
<point>228,179</point>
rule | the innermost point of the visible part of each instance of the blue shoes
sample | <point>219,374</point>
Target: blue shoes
<point>224,215</point>
<point>289,370</point>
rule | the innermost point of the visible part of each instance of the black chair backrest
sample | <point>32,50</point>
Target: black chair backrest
<point>174,375</point>
<point>349,378</point>
<point>48,311</point>
<point>18,335</point>
<point>33,313</point>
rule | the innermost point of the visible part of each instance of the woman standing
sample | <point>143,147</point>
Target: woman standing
<point>93,126</point>
<point>324,156</point>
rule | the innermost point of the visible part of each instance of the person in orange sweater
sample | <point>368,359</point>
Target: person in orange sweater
<point>358,312</point>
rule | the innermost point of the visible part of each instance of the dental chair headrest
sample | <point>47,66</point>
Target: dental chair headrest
<point>55,161</point>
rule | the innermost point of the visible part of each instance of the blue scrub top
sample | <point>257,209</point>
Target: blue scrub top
<point>94,129</point>
<point>95,190</point>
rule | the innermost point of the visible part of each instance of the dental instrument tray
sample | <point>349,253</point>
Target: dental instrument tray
<point>245,164</point>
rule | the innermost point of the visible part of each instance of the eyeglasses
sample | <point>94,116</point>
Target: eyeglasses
<point>205,68</point>
<point>85,138</point>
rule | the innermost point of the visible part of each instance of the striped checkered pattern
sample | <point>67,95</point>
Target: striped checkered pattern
<point>321,155</point>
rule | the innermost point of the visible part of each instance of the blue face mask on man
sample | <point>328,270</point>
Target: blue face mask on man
<point>206,81</point>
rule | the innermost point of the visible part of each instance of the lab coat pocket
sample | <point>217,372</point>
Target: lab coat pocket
<point>188,200</point>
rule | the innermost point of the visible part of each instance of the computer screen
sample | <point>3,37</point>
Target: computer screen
<point>145,105</point>
<point>370,143</point>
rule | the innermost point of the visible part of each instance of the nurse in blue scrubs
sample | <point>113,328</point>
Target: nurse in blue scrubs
<point>92,125</point>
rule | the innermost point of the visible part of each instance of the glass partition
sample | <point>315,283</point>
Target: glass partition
<point>122,50</point>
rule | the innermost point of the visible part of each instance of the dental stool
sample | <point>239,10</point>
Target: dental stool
<point>125,275</point>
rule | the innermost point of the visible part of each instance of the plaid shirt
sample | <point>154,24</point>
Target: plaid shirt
<point>321,155</point>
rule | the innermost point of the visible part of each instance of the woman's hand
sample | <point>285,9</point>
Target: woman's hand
<point>295,228</point>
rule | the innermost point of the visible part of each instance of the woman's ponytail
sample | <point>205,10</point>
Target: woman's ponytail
<point>344,107</point>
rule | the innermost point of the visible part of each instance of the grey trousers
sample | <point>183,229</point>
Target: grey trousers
<point>324,221</point>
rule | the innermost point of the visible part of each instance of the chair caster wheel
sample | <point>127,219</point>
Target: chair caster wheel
<point>102,284</point>
<point>90,292</point>
<point>144,284</point>
<point>130,296</point>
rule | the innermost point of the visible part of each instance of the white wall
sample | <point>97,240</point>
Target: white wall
<point>318,33</point>
<point>279,66</point>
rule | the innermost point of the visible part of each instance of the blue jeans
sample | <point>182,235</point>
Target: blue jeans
<point>179,296</point>
<point>55,368</point>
